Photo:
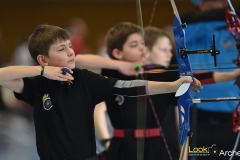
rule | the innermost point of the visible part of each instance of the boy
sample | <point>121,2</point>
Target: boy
<point>125,42</point>
<point>63,113</point>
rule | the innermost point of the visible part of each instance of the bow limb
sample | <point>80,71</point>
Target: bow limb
<point>233,25</point>
<point>184,102</point>
<point>179,36</point>
<point>139,13</point>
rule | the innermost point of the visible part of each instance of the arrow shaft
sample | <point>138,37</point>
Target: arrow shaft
<point>214,68</point>
<point>204,64</point>
<point>200,100</point>
<point>153,71</point>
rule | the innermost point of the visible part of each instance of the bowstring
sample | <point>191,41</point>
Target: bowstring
<point>142,77</point>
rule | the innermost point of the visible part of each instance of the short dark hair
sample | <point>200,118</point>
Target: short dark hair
<point>117,36</point>
<point>43,37</point>
<point>152,34</point>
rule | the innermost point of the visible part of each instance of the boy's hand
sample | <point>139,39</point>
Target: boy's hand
<point>129,68</point>
<point>196,84</point>
<point>236,73</point>
<point>56,73</point>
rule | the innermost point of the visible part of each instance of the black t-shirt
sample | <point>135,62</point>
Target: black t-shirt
<point>63,114</point>
<point>123,115</point>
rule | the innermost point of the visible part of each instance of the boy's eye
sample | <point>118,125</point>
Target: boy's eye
<point>163,50</point>
<point>61,49</point>
<point>133,45</point>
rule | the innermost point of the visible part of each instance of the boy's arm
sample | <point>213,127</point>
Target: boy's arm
<point>100,122</point>
<point>226,76</point>
<point>95,63</point>
<point>130,88</point>
<point>169,87</point>
<point>217,77</point>
<point>11,77</point>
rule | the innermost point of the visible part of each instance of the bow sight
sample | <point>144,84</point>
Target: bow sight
<point>184,52</point>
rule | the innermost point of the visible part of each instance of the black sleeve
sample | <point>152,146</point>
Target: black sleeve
<point>29,91</point>
<point>205,77</point>
<point>109,73</point>
<point>100,87</point>
<point>132,88</point>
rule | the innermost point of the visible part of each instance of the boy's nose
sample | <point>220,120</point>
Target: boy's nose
<point>70,52</point>
<point>170,54</point>
<point>142,47</point>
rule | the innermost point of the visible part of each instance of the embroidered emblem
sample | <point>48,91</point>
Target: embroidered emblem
<point>47,103</point>
<point>120,100</point>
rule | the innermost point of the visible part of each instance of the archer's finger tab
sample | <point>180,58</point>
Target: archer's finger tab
<point>66,70</point>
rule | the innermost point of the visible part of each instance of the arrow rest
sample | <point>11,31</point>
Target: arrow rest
<point>184,25</point>
<point>190,134</point>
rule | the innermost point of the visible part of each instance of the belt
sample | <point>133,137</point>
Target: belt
<point>91,158</point>
<point>136,133</point>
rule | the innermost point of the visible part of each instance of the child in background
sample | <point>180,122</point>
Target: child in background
<point>124,114</point>
<point>125,42</point>
<point>159,47</point>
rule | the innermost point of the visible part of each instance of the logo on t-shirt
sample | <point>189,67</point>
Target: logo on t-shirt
<point>47,103</point>
<point>119,99</point>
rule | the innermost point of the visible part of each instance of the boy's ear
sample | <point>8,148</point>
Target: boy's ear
<point>117,54</point>
<point>42,60</point>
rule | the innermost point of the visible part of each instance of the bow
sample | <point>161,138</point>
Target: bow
<point>185,100</point>
<point>185,70</point>
<point>233,25</point>
<point>140,23</point>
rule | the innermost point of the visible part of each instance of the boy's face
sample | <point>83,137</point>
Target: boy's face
<point>61,54</point>
<point>134,49</point>
<point>161,52</point>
